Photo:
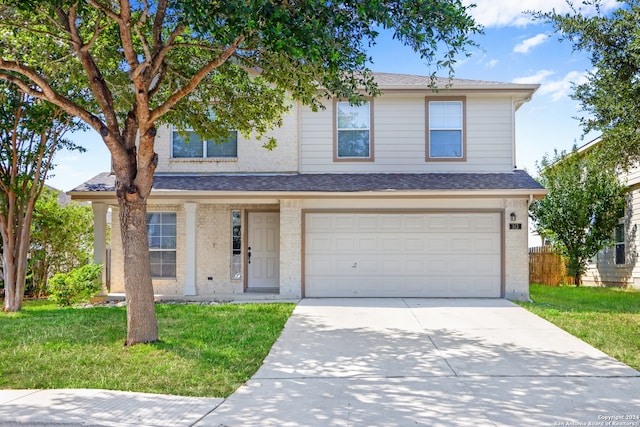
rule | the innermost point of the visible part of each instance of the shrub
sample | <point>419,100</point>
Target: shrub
<point>79,284</point>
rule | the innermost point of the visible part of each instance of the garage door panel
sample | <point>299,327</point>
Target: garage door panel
<point>344,244</point>
<point>400,254</point>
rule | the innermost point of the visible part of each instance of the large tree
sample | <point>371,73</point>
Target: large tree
<point>211,66</point>
<point>584,204</point>
<point>610,95</point>
<point>31,131</point>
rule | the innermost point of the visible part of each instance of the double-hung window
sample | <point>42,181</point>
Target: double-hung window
<point>353,131</point>
<point>161,229</point>
<point>619,238</point>
<point>187,144</point>
<point>445,129</point>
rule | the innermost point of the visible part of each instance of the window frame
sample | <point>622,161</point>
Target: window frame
<point>463,142</point>
<point>205,143</point>
<point>620,244</point>
<point>161,249</point>
<point>237,254</point>
<point>337,158</point>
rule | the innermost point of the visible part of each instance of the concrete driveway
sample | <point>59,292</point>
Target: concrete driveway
<point>435,362</point>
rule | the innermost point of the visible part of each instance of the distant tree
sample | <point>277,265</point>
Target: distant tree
<point>31,131</point>
<point>210,66</point>
<point>610,94</point>
<point>61,239</point>
<point>583,206</point>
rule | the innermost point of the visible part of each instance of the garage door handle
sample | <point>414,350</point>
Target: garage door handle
<point>249,255</point>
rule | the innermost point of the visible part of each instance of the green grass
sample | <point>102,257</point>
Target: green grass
<point>204,350</point>
<point>606,318</point>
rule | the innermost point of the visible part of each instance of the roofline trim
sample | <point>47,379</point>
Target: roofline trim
<point>395,194</point>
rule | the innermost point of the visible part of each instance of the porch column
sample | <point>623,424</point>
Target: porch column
<point>290,248</point>
<point>190,264</point>
<point>100,240</point>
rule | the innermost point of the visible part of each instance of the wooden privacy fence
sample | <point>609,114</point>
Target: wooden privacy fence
<point>547,267</point>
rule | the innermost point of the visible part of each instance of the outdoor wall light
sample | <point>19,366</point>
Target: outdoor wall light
<point>513,216</point>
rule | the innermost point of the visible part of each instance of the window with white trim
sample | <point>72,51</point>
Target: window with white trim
<point>161,229</point>
<point>187,144</point>
<point>445,133</point>
<point>353,131</point>
<point>620,242</point>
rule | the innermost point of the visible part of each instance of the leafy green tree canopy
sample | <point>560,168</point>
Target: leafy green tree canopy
<point>583,206</point>
<point>61,238</point>
<point>610,95</point>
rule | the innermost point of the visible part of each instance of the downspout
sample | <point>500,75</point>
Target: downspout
<point>513,133</point>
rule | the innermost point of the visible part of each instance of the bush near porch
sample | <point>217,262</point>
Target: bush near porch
<point>606,318</point>
<point>205,350</point>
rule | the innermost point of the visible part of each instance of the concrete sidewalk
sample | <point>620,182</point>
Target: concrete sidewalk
<point>100,408</point>
<point>384,362</point>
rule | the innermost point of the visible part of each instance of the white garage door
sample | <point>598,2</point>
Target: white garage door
<point>453,254</point>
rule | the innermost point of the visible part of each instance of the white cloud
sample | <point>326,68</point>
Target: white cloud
<point>526,45</point>
<point>562,88</point>
<point>501,13</point>
<point>534,78</point>
<point>492,63</point>
<point>557,89</point>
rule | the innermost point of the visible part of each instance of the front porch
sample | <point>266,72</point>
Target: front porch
<point>211,250</point>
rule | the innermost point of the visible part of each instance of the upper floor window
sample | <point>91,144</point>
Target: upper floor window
<point>188,144</point>
<point>446,128</point>
<point>620,256</point>
<point>353,136</point>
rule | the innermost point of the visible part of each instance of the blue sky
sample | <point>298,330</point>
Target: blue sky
<point>513,49</point>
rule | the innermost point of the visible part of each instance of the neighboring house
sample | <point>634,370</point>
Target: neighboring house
<point>617,265</point>
<point>412,194</point>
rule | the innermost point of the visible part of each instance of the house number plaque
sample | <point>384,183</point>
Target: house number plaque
<point>515,226</point>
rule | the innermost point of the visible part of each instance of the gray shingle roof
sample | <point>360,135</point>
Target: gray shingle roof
<point>333,183</point>
<point>392,80</point>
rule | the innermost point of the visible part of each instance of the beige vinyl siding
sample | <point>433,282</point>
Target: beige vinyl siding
<point>632,177</point>
<point>606,272</point>
<point>252,157</point>
<point>400,137</point>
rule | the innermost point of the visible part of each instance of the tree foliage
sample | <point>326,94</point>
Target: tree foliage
<point>210,66</point>
<point>61,239</point>
<point>584,204</point>
<point>610,95</point>
<point>31,131</point>
<point>77,285</point>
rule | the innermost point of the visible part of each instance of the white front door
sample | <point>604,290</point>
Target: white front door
<point>263,250</point>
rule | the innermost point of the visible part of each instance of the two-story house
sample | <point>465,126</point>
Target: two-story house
<point>411,194</point>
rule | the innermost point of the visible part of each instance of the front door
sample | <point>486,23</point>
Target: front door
<point>263,251</point>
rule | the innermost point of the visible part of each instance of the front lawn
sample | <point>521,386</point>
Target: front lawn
<point>204,350</point>
<point>606,318</point>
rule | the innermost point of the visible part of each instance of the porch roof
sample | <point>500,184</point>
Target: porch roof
<point>517,180</point>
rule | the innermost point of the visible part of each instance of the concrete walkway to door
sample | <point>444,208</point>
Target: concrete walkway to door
<point>435,362</point>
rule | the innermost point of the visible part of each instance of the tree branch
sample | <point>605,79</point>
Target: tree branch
<point>161,51</point>
<point>161,11</point>
<point>97,30</point>
<point>104,9</point>
<point>195,80</point>
<point>97,84</point>
<point>46,92</point>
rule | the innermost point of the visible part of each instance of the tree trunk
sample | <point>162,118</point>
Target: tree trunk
<point>12,297</point>
<point>577,280</point>
<point>142,326</point>
<point>14,260</point>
